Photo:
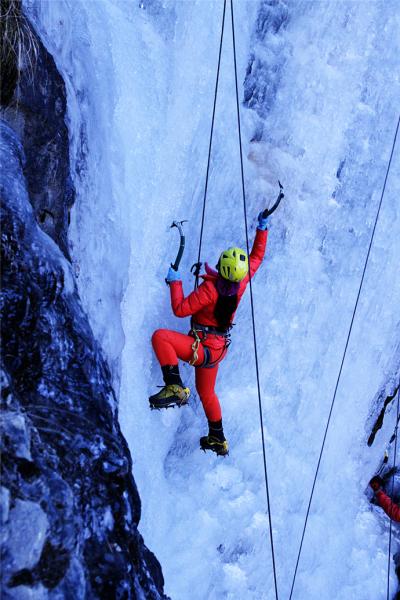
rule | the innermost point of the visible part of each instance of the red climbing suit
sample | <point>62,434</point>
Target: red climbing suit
<point>391,509</point>
<point>170,346</point>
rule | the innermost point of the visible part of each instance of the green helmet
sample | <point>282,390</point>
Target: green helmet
<point>233,264</point>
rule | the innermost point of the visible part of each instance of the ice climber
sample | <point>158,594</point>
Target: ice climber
<point>383,500</point>
<point>212,308</point>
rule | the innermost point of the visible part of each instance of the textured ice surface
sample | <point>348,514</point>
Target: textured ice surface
<point>324,87</point>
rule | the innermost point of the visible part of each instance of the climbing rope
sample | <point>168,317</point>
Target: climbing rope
<point>391,495</point>
<point>198,264</point>
<point>252,309</point>
<point>343,357</point>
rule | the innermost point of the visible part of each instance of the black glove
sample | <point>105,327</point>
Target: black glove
<point>376,483</point>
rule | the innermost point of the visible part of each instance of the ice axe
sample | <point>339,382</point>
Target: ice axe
<point>179,226</point>
<point>268,211</point>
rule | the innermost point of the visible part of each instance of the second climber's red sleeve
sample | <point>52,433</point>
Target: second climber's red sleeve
<point>183,307</point>
<point>258,250</point>
<point>390,508</point>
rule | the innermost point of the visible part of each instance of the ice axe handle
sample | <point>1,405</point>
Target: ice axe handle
<point>268,211</point>
<point>179,226</point>
<point>176,264</point>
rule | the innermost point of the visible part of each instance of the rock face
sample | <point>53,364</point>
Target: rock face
<point>69,506</point>
<point>37,112</point>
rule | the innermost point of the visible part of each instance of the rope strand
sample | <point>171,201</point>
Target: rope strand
<point>343,358</point>
<point>252,311</point>
<point>247,241</point>
<point>209,146</point>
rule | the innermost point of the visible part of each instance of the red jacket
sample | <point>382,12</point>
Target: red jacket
<point>390,508</point>
<point>201,303</point>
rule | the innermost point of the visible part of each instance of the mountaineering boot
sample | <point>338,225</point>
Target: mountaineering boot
<point>174,393</point>
<point>170,395</point>
<point>215,440</point>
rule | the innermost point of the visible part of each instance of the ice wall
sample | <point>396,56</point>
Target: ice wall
<point>141,78</point>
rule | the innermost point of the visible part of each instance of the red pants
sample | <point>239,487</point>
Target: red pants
<point>170,346</point>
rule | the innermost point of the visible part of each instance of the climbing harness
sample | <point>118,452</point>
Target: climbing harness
<point>179,226</point>
<point>343,358</point>
<point>207,330</point>
<point>391,494</point>
<point>195,348</point>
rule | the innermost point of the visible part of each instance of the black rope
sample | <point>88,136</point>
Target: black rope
<point>197,272</point>
<point>252,310</point>
<point>344,355</point>
<point>391,495</point>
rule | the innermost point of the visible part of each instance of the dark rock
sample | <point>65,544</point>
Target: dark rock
<point>70,506</point>
<point>10,16</point>
<point>36,103</point>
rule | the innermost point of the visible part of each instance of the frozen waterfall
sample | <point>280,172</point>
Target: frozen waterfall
<point>320,106</point>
